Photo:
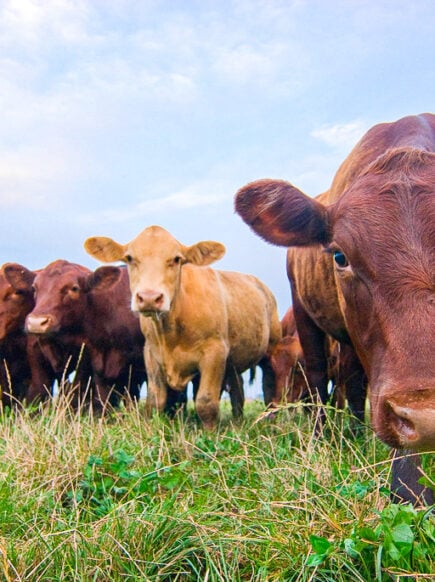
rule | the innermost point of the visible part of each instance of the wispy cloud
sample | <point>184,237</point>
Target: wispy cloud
<point>196,195</point>
<point>341,135</point>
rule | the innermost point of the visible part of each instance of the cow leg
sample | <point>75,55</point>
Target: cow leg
<point>313,342</point>
<point>237,395</point>
<point>136,377</point>
<point>157,390</point>
<point>104,395</point>
<point>270,392</point>
<point>406,471</point>
<point>351,373</point>
<point>42,374</point>
<point>176,400</point>
<point>212,372</point>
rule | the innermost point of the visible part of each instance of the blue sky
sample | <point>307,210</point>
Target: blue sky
<point>121,114</point>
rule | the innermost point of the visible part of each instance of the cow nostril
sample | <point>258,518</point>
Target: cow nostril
<point>159,299</point>
<point>400,418</point>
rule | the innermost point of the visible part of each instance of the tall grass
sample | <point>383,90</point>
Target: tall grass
<point>124,498</point>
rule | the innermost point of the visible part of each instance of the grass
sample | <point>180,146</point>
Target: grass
<point>122,498</point>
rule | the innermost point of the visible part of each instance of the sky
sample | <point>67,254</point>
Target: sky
<point>120,114</point>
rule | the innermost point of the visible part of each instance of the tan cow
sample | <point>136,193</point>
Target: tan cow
<point>194,319</point>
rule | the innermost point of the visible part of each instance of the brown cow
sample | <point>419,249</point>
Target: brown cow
<point>16,301</point>
<point>287,361</point>
<point>195,319</point>
<point>82,322</point>
<point>374,286</point>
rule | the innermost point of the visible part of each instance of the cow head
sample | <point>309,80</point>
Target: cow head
<point>287,360</point>
<point>380,237</point>
<point>60,299</point>
<point>16,297</point>
<point>154,260</point>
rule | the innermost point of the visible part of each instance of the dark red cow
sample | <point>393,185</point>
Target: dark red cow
<point>79,324</point>
<point>16,301</point>
<point>362,269</point>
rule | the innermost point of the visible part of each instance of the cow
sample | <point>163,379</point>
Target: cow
<point>196,320</point>
<point>361,265</point>
<point>82,323</point>
<point>16,301</point>
<point>287,361</point>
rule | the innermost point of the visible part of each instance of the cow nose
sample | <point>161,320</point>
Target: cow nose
<point>149,300</point>
<point>414,427</point>
<point>38,324</point>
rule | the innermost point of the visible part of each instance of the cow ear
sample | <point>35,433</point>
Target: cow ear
<point>104,249</point>
<point>18,276</point>
<point>104,278</point>
<point>282,214</point>
<point>204,252</point>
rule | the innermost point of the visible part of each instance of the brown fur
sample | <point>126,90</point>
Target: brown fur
<point>81,321</point>
<point>16,301</point>
<point>380,212</point>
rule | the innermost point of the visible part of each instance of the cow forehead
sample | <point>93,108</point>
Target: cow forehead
<point>400,199</point>
<point>154,241</point>
<point>60,272</point>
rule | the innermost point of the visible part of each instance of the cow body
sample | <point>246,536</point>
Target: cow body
<point>78,325</point>
<point>195,320</point>
<point>16,301</point>
<point>113,336</point>
<point>374,287</point>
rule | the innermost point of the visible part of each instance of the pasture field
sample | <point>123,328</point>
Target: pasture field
<point>121,498</point>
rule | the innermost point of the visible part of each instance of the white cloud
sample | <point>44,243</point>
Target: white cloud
<point>341,135</point>
<point>195,195</point>
<point>29,23</point>
<point>31,176</point>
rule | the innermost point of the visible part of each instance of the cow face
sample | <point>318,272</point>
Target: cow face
<point>16,297</point>
<point>380,237</point>
<point>382,244</point>
<point>154,260</point>
<point>60,299</point>
<point>287,360</point>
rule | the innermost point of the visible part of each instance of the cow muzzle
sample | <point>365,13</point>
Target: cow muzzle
<point>150,302</point>
<point>410,420</point>
<point>41,324</point>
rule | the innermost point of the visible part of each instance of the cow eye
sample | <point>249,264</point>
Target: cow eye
<point>128,259</point>
<point>340,259</point>
<point>75,288</point>
<point>177,260</point>
<point>19,292</point>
